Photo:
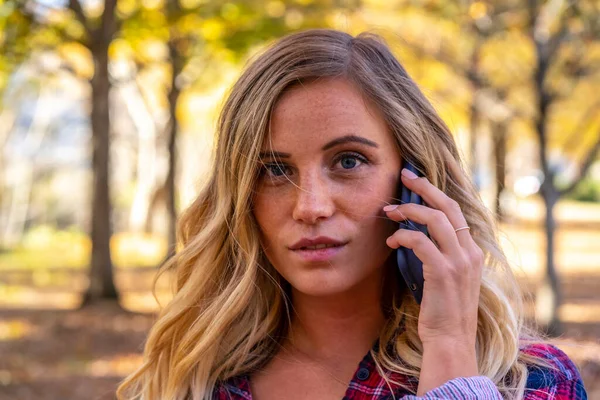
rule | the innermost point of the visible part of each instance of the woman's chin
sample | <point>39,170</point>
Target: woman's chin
<point>322,285</point>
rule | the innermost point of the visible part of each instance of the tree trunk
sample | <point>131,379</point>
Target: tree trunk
<point>146,154</point>
<point>499,136</point>
<point>172,128</point>
<point>549,298</point>
<point>474,120</point>
<point>7,120</point>
<point>549,295</point>
<point>157,197</point>
<point>475,113</point>
<point>20,199</point>
<point>101,272</point>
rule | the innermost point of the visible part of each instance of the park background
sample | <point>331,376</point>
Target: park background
<point>107,117</point>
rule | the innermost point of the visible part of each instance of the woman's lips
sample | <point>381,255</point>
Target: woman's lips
<point>319,255</point>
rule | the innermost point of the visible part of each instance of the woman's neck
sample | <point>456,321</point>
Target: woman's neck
<point>340,326</point>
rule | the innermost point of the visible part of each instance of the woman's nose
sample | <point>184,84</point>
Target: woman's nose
<point>313,201</point>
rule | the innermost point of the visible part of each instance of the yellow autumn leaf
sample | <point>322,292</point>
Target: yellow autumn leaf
<point>79,58</point>
<point>212,29</point>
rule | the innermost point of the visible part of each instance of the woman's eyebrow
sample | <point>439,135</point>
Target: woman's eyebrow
<point>333,143</point>
<point>347,139</point>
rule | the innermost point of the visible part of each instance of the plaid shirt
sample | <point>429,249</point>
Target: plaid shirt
<point>367,384</point>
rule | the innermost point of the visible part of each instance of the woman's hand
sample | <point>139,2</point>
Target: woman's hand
<point>452,273</point>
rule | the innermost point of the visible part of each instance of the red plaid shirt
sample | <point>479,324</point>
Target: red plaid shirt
<point>367,384</point>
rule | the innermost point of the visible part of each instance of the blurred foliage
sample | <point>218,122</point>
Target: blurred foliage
<point>44,247</point>
<point>200,27</point>
<point>588,190</point>
<point>434,39</point>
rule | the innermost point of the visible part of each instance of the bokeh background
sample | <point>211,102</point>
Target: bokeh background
<point>107,116</point>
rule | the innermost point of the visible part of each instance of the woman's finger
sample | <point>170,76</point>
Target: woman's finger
<point>420,244</point>
<point>437,199</point>
<point>438,226</point>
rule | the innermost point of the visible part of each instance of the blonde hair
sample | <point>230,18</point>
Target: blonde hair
<point>230,309</point>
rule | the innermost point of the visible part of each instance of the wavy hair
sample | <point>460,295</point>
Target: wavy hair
<point>230,305</point>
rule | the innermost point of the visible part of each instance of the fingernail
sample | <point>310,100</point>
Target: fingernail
<point>409,174</point>
<point>391,207</point>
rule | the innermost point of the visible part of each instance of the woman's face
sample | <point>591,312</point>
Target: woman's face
<point>336,165</point>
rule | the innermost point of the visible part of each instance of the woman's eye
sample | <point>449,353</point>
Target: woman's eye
<point>350,160</point>
<point>275,170</point>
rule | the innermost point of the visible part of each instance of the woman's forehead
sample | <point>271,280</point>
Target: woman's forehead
<point>321,96</point>
<point>321,110</point>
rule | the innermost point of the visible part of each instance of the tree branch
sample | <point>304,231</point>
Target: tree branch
<point>576,135</point>
<point>147,104</point>
<point>109,24</point>
<point>66,36</point>
<point>585,71</point>
<point>555,41</point>
<point>75,6</point>
<point>591,157</point>
<point>478,81</point>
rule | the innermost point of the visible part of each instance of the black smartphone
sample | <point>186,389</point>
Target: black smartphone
<point>409,264</point>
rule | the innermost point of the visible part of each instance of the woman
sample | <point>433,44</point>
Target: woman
<point>287,283</point>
